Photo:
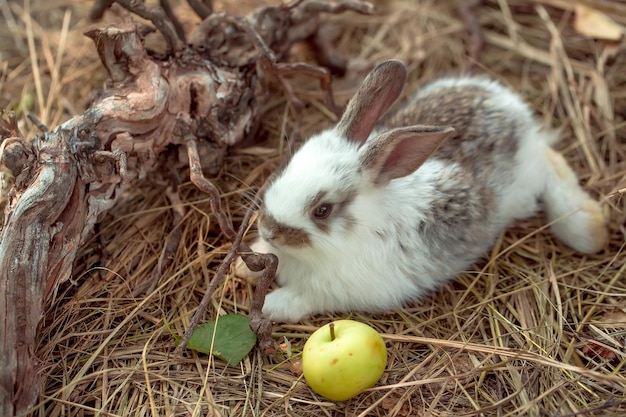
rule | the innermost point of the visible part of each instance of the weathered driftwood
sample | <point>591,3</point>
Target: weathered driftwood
<point>69,177</point>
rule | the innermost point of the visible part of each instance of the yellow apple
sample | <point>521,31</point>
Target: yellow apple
<point>343,358</point>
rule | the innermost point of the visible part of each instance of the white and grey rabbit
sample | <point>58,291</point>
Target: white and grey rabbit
<point>371,214</point>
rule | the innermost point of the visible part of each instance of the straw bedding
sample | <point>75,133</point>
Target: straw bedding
<point>533,329</point>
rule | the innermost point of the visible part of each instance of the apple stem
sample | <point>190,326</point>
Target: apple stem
<point>332,331</point>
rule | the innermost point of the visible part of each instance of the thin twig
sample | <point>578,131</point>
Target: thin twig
<point>98,8</point>
<point>169,12</point>
<point>35,120</point>
<point>159,19</point>
<point>256,262</point>
<point>202,8</point>
<point>467,10</point>
<point>326,53</point>
<point>198,179</point>
<point>317,6</point>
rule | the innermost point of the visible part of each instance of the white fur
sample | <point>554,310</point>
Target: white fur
<point>306,174</point>
<point>362,271</point>
<point>360,266</point>
<point>344,274</point>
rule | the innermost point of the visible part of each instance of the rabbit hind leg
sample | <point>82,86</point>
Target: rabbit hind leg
<point>575,217</point>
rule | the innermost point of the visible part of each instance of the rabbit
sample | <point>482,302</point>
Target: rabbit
<point>377,211</point>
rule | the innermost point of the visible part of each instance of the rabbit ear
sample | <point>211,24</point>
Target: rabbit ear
<point>399,152</point>
<point>380,89</point>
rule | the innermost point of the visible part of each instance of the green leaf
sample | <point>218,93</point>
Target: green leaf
<point>233,338</point>
<point>27,102</point>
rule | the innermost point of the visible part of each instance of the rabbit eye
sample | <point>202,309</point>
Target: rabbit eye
<point>323,210</point>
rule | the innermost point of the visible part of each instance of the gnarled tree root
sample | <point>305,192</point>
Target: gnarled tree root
<point>70,176</point>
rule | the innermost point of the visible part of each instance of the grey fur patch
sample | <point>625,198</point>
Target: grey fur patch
<point>485,134</point>
<point>484,146</point>
<point>456,219</point>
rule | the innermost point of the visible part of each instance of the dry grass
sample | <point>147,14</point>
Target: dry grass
<point>512,337</point>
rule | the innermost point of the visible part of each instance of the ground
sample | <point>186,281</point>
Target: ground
<point>533,329</point>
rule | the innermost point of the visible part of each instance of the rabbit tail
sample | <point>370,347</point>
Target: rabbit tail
<point>575,217</point>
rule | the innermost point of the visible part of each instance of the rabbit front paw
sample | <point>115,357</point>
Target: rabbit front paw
<point>285,306</point>
<point>242,271</point>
